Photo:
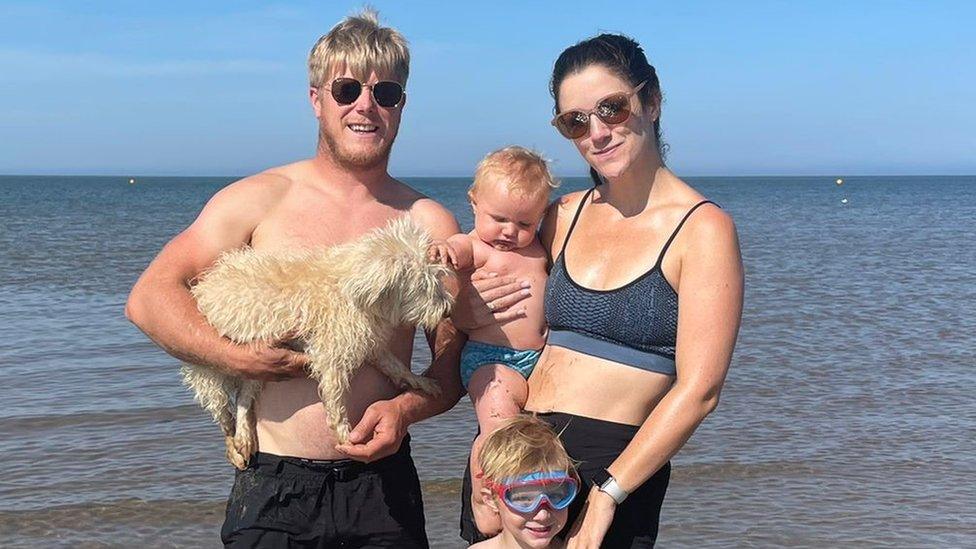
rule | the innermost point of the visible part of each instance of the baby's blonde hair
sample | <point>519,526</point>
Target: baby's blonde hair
<point>360,44</point>
<point>523,170</point>
<point>523,444</point>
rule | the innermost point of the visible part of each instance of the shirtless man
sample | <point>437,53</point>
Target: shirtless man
<point>302,485</point>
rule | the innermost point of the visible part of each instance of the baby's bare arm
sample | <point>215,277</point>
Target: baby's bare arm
<point>464,251</point>
<point>456,251</point>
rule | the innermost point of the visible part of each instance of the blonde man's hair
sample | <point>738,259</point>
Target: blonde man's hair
<point>523,444</point>
<point>523,170</point>
<point>360,44</point>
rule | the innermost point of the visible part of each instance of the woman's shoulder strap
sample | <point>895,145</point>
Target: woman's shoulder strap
<point>579,210</point>
<point>667,244</point>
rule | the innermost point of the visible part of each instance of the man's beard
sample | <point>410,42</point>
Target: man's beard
<point>359,160</point>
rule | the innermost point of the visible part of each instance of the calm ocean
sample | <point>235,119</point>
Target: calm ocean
<point>848,418</point>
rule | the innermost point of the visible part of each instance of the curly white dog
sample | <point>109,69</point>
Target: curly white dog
<point>343,303</point>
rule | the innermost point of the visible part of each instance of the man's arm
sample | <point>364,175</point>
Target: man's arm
<point>161,305</point>
<point>384,424</point>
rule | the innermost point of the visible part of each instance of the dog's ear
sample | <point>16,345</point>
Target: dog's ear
<point>368,280</point>
<point>384,267</point>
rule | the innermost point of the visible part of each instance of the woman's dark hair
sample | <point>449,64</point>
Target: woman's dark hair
<point>620,55</point>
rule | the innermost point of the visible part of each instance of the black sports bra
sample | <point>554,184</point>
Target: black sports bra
<point>635,324</point>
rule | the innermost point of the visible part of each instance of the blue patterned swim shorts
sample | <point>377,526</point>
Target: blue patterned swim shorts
<point>476,354</point>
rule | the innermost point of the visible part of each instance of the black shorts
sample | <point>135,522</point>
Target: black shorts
<point>294,502</point>
<point>594,444</point>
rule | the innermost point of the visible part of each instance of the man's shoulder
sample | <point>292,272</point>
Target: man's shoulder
<point>273,180</point>
<point>431,214</point>
<point>265,185</point>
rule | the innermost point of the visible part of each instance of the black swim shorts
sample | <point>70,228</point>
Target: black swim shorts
<point>294,502</point>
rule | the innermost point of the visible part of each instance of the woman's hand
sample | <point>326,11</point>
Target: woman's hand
<point>590,528</point>
<point>489,299</point>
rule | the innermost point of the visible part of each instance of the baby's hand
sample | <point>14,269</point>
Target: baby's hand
<point>443,252</point>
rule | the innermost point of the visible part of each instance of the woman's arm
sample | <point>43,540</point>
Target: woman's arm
<point>709,312</point>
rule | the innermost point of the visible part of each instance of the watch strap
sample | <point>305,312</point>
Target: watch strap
<point>612,489</point>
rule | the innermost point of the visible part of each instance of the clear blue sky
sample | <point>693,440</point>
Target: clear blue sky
<point>219,88</point>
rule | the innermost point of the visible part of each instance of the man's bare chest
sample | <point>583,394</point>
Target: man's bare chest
<point>318,225</point>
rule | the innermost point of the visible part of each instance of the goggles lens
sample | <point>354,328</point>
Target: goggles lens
<point>387,94</point>
<point>526,493</point>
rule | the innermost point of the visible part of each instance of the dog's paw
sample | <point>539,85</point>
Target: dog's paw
<point>234,456</point>
<point>342,430</point>
<point>246,446</point>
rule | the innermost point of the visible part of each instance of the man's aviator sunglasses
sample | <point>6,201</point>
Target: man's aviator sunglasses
<point>612,109</point>
<point>386,93</point>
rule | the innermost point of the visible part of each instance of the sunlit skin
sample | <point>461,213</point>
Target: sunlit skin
<point>337,196</point>
<point>358,135</point>
<point>614,150</point>
<point>503,240</point>
<point>534,530</point>
<point>618,237</point>
<point>503,219</point>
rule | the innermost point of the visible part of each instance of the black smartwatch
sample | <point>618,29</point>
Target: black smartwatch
<point>605,482</point>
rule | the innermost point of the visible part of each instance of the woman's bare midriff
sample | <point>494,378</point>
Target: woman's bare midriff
<point>291,418</point>
<point>583,385</point>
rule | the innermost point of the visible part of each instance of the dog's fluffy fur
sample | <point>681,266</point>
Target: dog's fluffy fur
<point>343,303</point>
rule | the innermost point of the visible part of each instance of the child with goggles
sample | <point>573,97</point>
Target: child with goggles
<point>529,482</point>
<point>509,197</point>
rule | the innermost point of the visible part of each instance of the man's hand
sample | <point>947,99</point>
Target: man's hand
<point>489,299</point>
<point>267,361</point>
<point>378,434</point>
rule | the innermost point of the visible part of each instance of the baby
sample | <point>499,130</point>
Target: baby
<point>529,482</point>
<point>509,197</point>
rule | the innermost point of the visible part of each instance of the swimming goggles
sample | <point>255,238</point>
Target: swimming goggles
<point>612,109</point>
<point>525,493</point>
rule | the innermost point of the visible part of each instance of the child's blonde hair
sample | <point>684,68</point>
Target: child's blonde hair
<point>523,170</point>
<point>360,44</point>
<point>523,444</point>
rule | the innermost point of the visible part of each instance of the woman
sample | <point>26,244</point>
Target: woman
<point>643,300</point>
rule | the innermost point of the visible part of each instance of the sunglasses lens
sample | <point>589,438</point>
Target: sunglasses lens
<point>387,94</point>
<point>613,109</point>
<point>573,124</point>
<point>346,90</point>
